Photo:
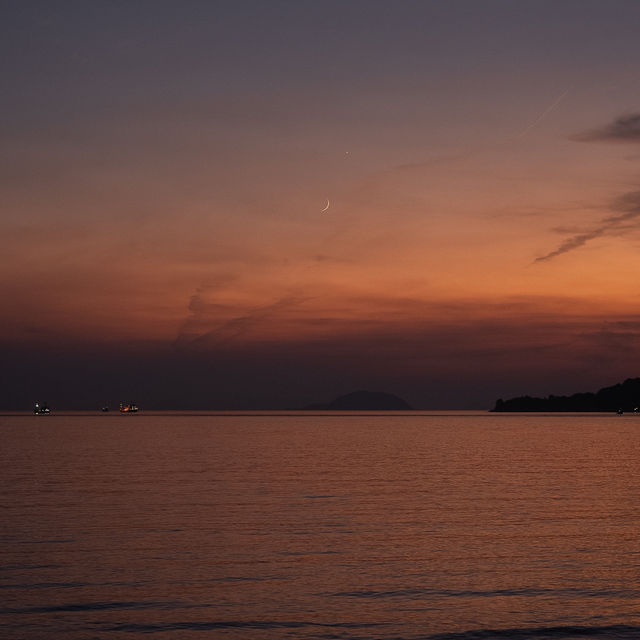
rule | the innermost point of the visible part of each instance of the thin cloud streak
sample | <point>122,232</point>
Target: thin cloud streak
<point>572,243</point>
<point>623,129</point>
<point>630,202</point>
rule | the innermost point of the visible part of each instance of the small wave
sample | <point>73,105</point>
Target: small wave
<point>309,553</point>
<point>246,579</point>
<point>54,541</point>
<point>573,632</point>
<point>492,593</point>
<point>23,567</point>
<point>236,624</point>
<point>69,585</point>
<point>46,585</point>
<point>101,606</point>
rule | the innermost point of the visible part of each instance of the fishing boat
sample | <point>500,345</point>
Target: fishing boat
<point>128,407</point>
<point>41,409</point>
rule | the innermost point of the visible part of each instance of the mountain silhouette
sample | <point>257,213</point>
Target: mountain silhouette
<point>363,401</point>
<point>624,396</point>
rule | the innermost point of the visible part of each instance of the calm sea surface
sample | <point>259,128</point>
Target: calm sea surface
<point>441,526</point>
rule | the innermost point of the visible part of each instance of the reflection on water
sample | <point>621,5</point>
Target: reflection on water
<point>448,527</point>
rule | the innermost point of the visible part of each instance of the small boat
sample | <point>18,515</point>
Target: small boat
<point>41,409</point>
<point>128,407</point>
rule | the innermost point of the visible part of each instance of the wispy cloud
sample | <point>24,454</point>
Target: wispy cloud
<point>575,242</point>
<point>624,128</point>
<point>629,204</point>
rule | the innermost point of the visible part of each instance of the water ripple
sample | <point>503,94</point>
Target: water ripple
<point>575,632</point>
<point>101,606</point>
<point>492,593</point>
<point>52,541</point>
<point>46,585</point>
<point>236,624</point>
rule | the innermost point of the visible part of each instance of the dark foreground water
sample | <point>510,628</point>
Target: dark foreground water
<point>446,527</point>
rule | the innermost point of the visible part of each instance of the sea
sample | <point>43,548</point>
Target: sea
<point>298,526</point>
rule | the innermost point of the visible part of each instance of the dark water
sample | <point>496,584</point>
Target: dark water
<point>447,527</point>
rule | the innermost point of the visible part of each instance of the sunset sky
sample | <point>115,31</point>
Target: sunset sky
<point>164,167</point>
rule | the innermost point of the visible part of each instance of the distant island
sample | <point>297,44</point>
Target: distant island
<point>624,396</point>
<point>363,401</point>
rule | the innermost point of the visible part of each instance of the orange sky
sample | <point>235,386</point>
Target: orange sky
<point>164,177</point>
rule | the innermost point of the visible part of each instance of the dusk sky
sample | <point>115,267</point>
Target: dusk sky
<point>165,166</point>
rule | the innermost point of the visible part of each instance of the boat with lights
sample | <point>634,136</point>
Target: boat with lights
<point>41,409</point>
<point>128,407</point>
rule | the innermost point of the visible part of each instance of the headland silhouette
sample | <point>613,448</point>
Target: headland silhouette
<point>623,396</point>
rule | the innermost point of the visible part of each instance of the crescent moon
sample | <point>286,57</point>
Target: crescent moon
<point>325,207</point>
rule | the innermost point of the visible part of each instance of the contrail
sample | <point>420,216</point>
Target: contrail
<point>545,113</point>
